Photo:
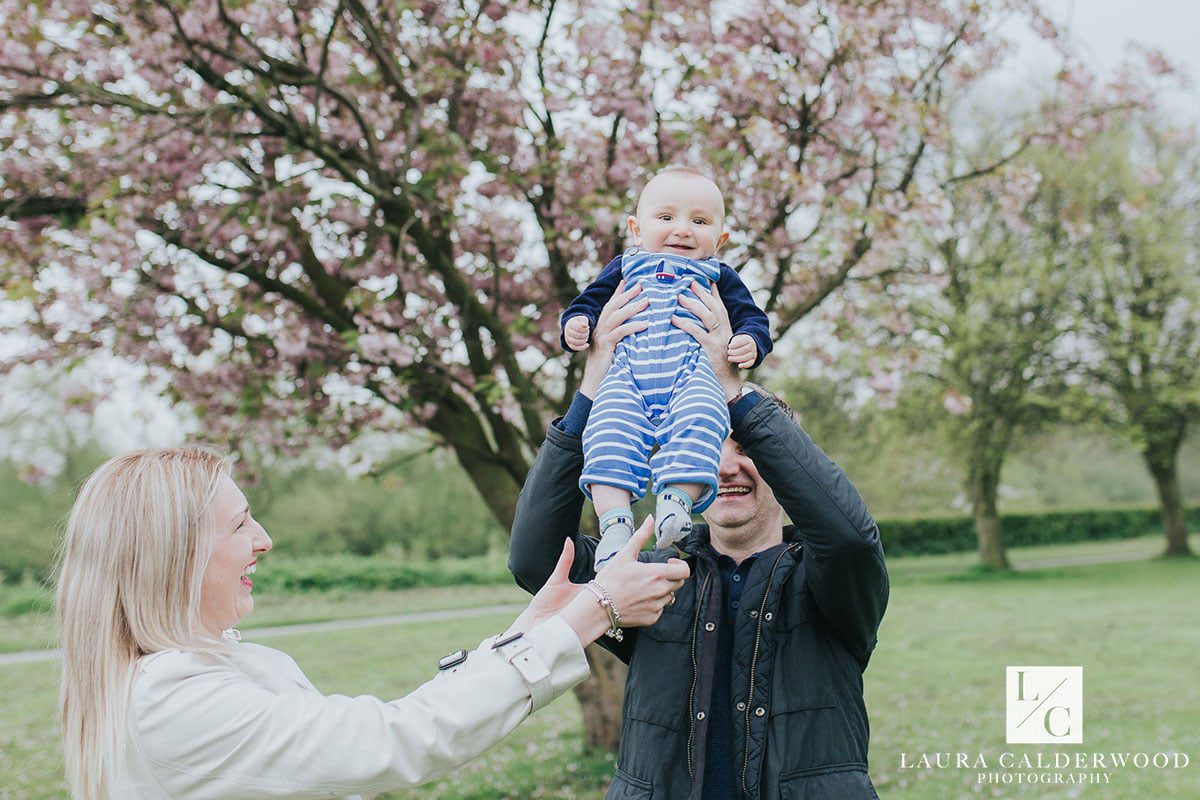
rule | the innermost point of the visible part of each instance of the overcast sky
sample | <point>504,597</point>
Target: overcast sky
<point>1101,29</point>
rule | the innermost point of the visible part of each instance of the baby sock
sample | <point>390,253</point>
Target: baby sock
<point>616,528</point>
<point>672,517</point>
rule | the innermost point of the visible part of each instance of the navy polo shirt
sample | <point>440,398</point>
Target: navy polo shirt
<point>720,773</point>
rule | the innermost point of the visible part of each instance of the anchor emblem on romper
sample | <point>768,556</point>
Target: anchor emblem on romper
<point>665,272</point>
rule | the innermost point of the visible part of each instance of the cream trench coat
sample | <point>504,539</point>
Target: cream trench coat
<point>248,723</point>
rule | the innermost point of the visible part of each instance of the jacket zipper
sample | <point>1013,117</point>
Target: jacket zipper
<point>695,675</point>
<point>754,663</point>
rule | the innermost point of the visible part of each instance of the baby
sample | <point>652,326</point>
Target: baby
<point>661,388</point>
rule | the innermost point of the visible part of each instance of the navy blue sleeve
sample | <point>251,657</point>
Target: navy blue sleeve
<point>744,315</point>
<point>738,410</point>
<point>575,420</point>
<point>589,304</point>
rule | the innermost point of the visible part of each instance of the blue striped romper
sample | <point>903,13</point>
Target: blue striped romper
<point>660,389</point>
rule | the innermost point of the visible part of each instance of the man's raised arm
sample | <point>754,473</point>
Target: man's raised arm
<point>548,511</point>
<point>843,555</point>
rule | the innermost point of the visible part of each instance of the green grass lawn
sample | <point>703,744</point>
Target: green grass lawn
<point>935,684</point>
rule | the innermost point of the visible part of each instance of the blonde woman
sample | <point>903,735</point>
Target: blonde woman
<point>159,700</point>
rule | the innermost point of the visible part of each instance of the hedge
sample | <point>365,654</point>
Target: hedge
<point>932,535</point>
<point>320,573</point>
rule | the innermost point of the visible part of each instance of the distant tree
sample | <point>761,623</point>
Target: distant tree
<point>1135,200</point>
<point>991,333</point>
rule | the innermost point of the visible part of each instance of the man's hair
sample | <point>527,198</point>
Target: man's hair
<point>784,407</point>
<point>777,400</point>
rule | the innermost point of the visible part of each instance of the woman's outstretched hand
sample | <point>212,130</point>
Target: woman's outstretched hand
<point>554,595</point>
<point>639,591</point>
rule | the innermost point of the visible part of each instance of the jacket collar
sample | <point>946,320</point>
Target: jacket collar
<point>699,542</point>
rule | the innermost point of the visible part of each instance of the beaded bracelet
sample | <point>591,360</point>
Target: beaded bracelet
<point>606,602</point>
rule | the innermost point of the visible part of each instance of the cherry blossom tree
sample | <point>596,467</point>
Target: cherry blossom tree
<point>332,216</point>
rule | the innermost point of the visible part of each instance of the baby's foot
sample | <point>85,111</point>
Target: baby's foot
<point>672,517</point>
<point>616,528</point>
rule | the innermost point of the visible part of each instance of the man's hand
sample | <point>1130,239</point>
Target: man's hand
<point>613,325</point>
<point>743,351</point>
<point>576,333</point>
<point>713,335</point>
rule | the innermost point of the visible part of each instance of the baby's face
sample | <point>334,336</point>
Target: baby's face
<point>680,213</point>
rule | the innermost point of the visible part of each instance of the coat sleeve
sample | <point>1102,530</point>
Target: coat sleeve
<point>591,302</point>
<point>744,314</point>
<point>843,555</point>
<point>207,729</point>
<point>548,512</point>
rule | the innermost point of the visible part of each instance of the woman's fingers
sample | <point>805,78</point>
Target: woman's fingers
<point>562,569</point>
<point>634,546</point>
<point>676,570</point>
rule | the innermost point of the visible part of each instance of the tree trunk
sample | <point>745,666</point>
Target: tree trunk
<point>1162,463</point>
<point>987,456</point>
<point>600,699</point>
<point>498,482</point>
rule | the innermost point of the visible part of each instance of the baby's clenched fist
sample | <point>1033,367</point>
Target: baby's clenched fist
<point>577,332</point>
<point>742,350</point>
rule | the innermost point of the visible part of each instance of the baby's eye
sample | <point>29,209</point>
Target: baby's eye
<point>699,221</point>
<point>665,217</point>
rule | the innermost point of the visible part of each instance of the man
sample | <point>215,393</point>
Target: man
<point>750,684</point>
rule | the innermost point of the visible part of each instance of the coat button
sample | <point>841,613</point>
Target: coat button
<point>700,715</point>
<point>767,616</point>
<point>741,706</point>
<point>710,627</point>
<point>758,712</point>
<point>753,613</point>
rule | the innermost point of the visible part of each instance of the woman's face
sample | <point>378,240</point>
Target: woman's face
<point>237,540</point>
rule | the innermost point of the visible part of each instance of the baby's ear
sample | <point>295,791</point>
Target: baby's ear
<point>634,229</point>
<point>721,242</point>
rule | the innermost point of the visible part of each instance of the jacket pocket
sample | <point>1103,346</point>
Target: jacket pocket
<point>671,627</point>
<point>802,702</point>
<point>839,782</point>
<point>795,608</point>
<point>627,787</point>
<point>659,674</point>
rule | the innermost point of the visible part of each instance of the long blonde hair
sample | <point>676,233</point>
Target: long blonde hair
<point>128,584</point>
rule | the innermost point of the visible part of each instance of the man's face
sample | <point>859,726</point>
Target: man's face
<point>680,213</point>
<point>745,510</point>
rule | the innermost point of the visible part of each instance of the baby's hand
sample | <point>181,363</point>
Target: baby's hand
<point>576,333</point>
<point>743,351</point>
